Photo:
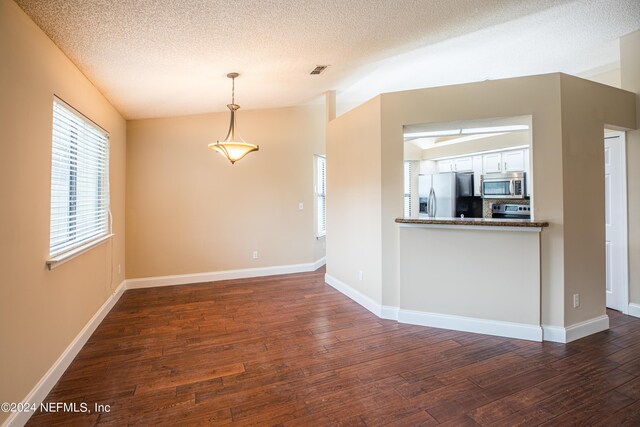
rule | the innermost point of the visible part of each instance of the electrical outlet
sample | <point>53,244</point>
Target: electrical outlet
<point>301,206</point>
<point>119,268</point>
<point>576,300</point>
<point>360,275</point>
<point>255,255</point>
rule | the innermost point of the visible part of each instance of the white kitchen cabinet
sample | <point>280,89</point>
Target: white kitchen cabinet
<point>492,163</point>
<point>477,174</point>
<point>483,163</point>
<point>458,164</point>
<point>463,164</point>
<point>428,167</point>
<point>513,161</point>
<point>527,169</point>
<point>445,165</point>
<point>504,161</point>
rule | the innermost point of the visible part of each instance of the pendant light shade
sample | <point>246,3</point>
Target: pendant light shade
<point>233,147</point>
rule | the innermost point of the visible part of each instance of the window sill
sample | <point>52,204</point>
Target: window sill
<point>58,260</point>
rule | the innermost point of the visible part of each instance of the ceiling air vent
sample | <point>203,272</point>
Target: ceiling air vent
<point>319,69</point>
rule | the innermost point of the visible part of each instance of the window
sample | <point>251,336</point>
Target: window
<point>321,195</point>
<point>407,188</point>
<point>79,181</point>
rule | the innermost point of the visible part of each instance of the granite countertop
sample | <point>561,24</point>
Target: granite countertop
<point>495,222</point>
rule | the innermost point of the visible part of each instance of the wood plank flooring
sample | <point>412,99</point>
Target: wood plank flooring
<point>290,350</point>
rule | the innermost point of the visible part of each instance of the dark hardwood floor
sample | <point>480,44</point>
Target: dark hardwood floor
<point>290,350</point>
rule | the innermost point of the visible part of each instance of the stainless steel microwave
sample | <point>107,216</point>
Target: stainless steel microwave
<point>510,185</point>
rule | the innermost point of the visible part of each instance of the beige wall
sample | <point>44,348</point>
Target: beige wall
<point>537,96</point>
<point>412,151</point>
<point>508,140</point>
<point>191,211</point>
<point>566,148</point>
<point>434,282</point>
<point>354,198</point>
<point>586,109</point>
<point>609,77</point>
<point>42,311</point>
<point>564,154</point>
<point>630,80</point>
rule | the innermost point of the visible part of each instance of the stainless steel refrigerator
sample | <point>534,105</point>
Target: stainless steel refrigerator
<point>441,193</point>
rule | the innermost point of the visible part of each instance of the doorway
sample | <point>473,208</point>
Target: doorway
<point>616,250</point>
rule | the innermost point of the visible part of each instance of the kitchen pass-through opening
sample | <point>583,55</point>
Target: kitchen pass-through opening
<point>469,168</point>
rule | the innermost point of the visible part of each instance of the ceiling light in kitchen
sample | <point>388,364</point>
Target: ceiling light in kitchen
<point>446,132</point>
<point>491,129</point>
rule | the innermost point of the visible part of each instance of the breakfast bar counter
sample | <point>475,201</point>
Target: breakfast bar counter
<point>471,274</point>
<point>474,222</point>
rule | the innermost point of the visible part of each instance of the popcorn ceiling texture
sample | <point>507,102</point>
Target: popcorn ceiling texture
<point>156,58</point>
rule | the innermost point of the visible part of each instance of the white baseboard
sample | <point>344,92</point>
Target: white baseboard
<point>355,295</point>
<point>576,331</point>
<point>634,310</point>
<point>51,377</point>
<point>458,323</point>
<point>481,326</point>
<point>554,333</point>
<point>389,312</point>
<point>214,276</point>
<point>588,327</point>
<point>319,263</point>
<point>470,324</point>
<point>475,325</point>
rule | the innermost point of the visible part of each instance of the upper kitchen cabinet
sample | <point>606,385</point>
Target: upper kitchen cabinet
<point>459,164</point>
<point>514,161</point>
<point>428,167</point>
<point>463,164</point>
<point>445,165</point>
<point>492,163</point>
<point>505,161</point>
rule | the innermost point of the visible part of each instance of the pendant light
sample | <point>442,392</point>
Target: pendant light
<point>233,148</point>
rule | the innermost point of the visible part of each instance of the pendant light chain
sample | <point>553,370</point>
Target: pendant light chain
<point>233,90</point>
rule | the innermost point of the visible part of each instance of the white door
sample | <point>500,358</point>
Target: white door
<point>615,177</point>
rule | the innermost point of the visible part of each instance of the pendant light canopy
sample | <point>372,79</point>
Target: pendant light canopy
<point>233,148</point>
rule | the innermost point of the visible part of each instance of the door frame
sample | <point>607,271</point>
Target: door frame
<point>625,218</point>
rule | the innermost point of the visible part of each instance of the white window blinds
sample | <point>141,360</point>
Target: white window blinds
<point>407,188</point>
<point>79,181</point>
<point>321,195</point>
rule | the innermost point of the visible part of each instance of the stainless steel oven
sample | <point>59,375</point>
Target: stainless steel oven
<point>510,211</point>
<point>503,185</point>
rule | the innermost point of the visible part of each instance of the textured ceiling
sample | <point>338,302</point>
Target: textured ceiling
<point>156,58</point>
